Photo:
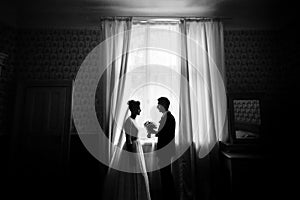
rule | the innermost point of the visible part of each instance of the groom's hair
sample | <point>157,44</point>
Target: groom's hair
<point>164,101</point>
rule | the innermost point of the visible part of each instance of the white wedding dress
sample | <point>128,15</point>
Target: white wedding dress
<point>121,185</point>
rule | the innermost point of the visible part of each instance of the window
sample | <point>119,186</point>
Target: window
<point>155,71</point>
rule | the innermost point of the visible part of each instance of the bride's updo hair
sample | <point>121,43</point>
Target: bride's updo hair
<point>132,104</point>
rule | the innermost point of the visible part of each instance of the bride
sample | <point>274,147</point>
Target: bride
<point>121,185</point>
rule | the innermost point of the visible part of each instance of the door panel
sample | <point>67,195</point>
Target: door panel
<point>44,130</point>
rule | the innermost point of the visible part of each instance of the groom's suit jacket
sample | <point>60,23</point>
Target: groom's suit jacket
<point>166,130</point>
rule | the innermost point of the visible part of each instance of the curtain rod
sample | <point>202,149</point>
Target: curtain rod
<point>172,17</point>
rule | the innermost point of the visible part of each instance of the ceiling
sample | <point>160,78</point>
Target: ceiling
<point>72,13</point>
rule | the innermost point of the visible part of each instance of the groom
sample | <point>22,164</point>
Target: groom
<point>166,134</point>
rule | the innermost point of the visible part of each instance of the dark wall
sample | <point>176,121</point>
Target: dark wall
<point>7,90</point>
<point>252,57</point>
<point>8,38</point>
<point>252,61</point>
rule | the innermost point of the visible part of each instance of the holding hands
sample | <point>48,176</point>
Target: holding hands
<point>150,126</point>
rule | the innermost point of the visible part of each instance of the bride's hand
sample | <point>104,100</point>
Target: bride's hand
<point>150,130</point>
<point>150,126</point>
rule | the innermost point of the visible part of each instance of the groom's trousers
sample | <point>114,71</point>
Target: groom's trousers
<point>167,183</point>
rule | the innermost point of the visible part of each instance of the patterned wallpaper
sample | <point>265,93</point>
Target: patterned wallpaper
<point>57,55</point>
<point>252,59</point>
<point>7,77</point>
<point>251,56</point>
<point>54,54</point>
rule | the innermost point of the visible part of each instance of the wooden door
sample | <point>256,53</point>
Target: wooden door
<point>43,127</point>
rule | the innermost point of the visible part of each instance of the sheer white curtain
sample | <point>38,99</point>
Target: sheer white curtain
<point>116,33</point>
<point>206,95</point>
<point>152,73</point>
<point>199,108</point>
<point>203,111</point>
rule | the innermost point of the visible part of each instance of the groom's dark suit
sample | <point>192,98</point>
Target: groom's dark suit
<point>166,130</point>
<point>166,134</point>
